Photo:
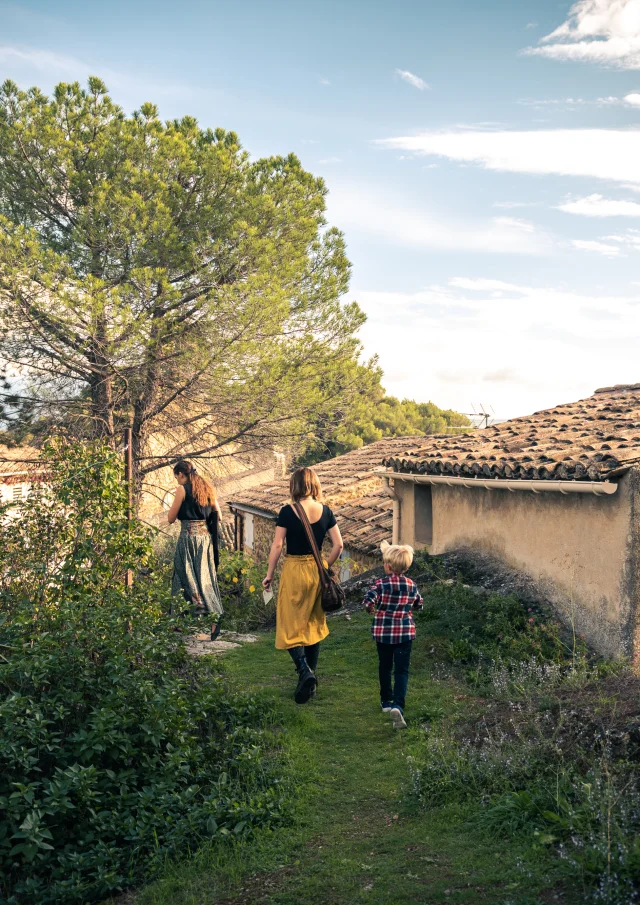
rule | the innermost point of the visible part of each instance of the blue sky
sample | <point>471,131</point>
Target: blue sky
<point>483,160</point>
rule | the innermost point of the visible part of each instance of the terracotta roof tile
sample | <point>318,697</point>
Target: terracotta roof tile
<point>586,440</point>
<point>351,487</point>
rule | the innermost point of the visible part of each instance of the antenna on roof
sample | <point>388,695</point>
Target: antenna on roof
<point>485,418</point>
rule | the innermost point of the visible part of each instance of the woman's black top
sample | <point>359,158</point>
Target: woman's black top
<point>297,543</point>
<point>191,511</point>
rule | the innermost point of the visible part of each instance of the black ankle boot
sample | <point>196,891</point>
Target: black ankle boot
<point>306,679</point>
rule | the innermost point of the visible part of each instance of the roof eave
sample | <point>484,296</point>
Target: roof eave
<point>596,488</point>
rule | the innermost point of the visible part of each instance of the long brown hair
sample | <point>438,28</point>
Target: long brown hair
<point>202,490</point>
<point>304,483</point>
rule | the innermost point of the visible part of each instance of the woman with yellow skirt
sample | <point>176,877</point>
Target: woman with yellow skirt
<point>300,621</point>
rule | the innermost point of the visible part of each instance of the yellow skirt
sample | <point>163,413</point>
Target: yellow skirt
<point>300,618</point>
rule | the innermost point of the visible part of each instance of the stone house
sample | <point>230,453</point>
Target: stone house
<point>353,488</point>
<point>554,496</point>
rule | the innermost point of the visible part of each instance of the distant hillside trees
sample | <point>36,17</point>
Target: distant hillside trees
<point>153,275</point>
<point>374,416</point>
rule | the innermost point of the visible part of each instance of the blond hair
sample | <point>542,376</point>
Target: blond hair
<point>397,557</point>
<point>304,483</point>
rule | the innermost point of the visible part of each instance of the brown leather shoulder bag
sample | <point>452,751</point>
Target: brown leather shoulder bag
<point>333,595</point>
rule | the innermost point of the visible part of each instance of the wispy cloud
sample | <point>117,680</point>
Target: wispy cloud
<point>484,285</point>
<point>612,154</point>
<point>401,222</point>
<point>512,205</point>
<point>570,103</point>
<point>600,248</point>
<point>599,206</point>
<point>330,160</point>
<point>412,79</point>
<point>45,61</point>
<point>597,31</point>
<point>324,81</point>
<point>492,330</point>
<point>531,25</point>
<point>56,65</point>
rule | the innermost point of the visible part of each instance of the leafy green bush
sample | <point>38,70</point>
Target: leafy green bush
<point>240,580</point>
<point>116,749</point>
<point>476,630</point>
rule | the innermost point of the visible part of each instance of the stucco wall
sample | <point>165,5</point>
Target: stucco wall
<point>579,549</point>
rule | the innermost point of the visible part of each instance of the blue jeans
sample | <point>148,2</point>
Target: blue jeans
<point>396,658</point>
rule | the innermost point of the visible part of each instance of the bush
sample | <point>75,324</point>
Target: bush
<point>240,580</point>
<point>116,749</point>
<point>477,631</point>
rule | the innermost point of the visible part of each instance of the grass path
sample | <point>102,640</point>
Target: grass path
<point>358,837</point>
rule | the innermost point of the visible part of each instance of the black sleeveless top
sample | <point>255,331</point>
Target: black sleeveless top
<point>297,542</point>
<point>191,511</point>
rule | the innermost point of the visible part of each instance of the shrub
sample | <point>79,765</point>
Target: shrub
<point>240,579</point>
<point>476,630</point>
<point>116,750</point>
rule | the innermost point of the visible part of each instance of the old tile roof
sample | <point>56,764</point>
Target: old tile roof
<point>351,486</point>
<point>588,440</point>
<point>20,462</point>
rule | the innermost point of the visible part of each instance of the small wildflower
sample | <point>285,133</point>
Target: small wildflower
<point>251,589</point>
<point>243,571</point>
<point>235,579</point>
<point>530,620</point>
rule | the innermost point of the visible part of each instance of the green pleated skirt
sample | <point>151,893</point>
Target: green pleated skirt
<point>194,570</point>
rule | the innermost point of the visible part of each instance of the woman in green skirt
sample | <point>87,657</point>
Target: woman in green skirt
<point>197,509</point>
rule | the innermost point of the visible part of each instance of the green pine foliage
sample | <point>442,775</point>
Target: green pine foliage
<point>117,750</point>
<point>153,274</point>
<point>372,416</point>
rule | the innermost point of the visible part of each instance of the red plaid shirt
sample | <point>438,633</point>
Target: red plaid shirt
<point>392,600</point>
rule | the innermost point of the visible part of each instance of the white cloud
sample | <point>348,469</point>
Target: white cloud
<point>601,248</point>
<point>324,81</point>
<point>633,99</point>
<point>629,239</point>
<point>598,206</point>
<point>45,61</point>
<point>511,205</point>
<point>597,31</point>
<point>131,89</point>
<point>572,102</point>
<point>412,79</point>
<point>484,285</point>
<point>401,222</point>
<point>602,153</point>
<point>330,160</point>
<point>459,344</point>
<point>531,25</point>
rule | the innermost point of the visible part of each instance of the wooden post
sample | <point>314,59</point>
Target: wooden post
<point>128,476</point>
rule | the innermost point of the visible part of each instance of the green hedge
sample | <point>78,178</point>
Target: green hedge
<point>116,749</point>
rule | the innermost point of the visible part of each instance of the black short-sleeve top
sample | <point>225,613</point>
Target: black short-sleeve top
<point>297,542</point>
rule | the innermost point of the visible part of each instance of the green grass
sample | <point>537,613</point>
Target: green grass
<point>357,834</point>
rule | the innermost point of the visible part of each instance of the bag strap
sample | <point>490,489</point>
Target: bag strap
<point>312,540</point>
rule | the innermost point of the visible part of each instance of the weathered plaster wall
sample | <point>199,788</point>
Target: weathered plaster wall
<point>579,549</point>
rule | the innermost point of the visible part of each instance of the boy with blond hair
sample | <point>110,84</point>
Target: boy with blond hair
<point>392,600</point>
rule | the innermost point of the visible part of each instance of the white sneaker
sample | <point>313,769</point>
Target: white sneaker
<point>397,718</point>
<point>386,708</point>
